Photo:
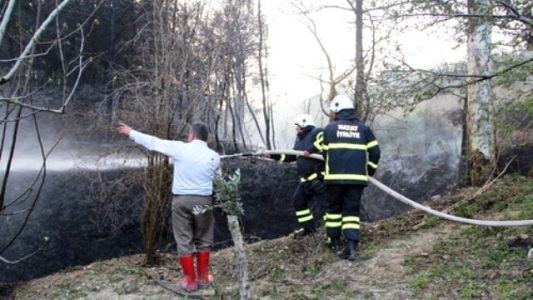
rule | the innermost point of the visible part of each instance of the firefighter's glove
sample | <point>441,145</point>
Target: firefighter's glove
<point>308,189</point>
<point>371,171</point>
<point>317,186</point>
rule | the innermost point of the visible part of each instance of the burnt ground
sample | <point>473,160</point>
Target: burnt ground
<point>282,268</point>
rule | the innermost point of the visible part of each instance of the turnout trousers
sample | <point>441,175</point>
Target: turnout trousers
<point>309,212</point>
<point>344,202</point>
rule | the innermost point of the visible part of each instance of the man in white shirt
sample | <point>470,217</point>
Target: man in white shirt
<point>192,185</point>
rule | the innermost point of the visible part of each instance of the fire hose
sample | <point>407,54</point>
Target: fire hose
<point>402,198</point>
<point>256,153</point>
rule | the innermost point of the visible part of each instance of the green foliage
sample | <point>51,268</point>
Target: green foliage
<point>370,249</point>
<point>432,221</point>
<point>409,262</point>
<point>227,193</point>
<point>464,210</point>
<point>421,282</point>
<point>276,274</point>
<point>227,197</point>
<point>127,288</point>
<point>514,193</point>
<point>67,290</point>
<point>470,291</point>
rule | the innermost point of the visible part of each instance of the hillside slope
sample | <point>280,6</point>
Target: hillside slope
<point>412,256</point>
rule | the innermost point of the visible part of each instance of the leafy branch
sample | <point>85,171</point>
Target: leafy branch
<point>226,194</point>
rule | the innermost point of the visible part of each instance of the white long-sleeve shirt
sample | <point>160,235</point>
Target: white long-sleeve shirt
<point>194,163</point>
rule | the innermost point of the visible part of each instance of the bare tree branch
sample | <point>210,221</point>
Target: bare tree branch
<point>334,80</point>
<point>33,40</point>
<point>515,14</point>
<point>20,259</point>
<point>5,19</point>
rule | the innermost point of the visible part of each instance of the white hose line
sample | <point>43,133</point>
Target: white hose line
<point>416,205</point>
<point>294,152</point>
<point>446,216</point>
<point>257,153</point>
<point>232,155</point>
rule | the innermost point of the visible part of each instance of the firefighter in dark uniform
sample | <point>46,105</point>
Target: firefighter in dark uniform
<point>352,154</point>
<point>311,176</point>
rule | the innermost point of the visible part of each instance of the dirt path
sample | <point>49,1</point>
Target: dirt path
<point>383,276</point>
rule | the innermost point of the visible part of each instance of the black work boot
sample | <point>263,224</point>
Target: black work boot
<point>336,245</point>
<point>349,251</point>
<point>333,243</point>
<point>300,233</point>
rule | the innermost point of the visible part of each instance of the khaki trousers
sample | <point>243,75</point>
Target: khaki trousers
<point>193,233</point>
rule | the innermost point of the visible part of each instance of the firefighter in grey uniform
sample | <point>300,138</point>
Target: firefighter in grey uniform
<point>311,174</point>
<point>352,153</point>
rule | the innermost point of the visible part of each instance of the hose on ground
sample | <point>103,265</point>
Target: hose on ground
<point>416,205</point>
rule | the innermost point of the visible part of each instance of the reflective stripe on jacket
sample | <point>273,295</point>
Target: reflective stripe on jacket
<point>346,145</point>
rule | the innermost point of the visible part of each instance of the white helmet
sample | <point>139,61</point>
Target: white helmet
<point>304,121</point>
<point>341,102</point>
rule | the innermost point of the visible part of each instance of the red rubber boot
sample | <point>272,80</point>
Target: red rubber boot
<point>204,279</point>
<point>188,283</point>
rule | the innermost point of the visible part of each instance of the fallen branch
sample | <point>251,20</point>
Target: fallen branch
<point>482,190</point>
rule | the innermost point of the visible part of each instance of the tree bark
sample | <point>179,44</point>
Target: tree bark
<point>360,83</point>
<point>479,95</point>
<point>235,230</point>
<point>262,77</point>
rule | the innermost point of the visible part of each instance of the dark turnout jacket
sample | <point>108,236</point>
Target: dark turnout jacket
<point>346,144</point>
<point>309,139</point>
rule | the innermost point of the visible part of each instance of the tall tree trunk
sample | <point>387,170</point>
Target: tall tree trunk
<point>262,77</point>
<point>360,86</point>
<point>111,62</point>
<point>478,122</point>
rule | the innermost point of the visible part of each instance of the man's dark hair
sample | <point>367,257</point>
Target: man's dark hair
<point>200,130</point>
